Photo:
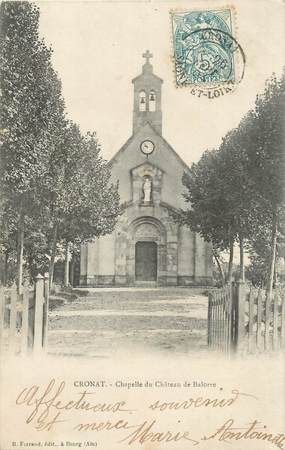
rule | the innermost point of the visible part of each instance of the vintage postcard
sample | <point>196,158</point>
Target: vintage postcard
<point>142,290</point>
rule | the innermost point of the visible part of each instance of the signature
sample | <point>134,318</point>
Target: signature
<point>145,433</point>
<point>253,431</point>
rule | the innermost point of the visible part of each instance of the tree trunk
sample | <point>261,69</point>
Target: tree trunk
<point>72,271</point>
<point>275,282</point>
<point>20,251</point>
<point>221,270</point>
<point>241,256</point>
<point>231,259</point>
<point>53,253</point>
<point>273,256</point>
<point>66,265</point>
<point>5,271</point>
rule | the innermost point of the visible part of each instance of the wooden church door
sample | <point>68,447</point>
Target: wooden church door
<point>146,261</point>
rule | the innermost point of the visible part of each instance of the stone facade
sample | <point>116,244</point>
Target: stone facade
<point>147,246</point>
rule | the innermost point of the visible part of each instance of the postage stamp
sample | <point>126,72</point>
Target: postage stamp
<point>207,57</point>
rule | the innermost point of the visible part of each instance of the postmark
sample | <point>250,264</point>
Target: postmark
<point>207,57</point>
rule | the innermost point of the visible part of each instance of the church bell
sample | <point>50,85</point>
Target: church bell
<point>152,97</point>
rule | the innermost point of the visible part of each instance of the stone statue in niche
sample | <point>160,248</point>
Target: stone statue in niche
<point>147,190</point>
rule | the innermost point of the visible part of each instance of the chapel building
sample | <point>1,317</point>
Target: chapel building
<point>147,246</point>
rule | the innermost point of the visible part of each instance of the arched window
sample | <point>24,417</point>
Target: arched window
<point>152,100</point>
<point>142,101</point>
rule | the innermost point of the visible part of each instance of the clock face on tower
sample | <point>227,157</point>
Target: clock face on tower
<point>147,147</point>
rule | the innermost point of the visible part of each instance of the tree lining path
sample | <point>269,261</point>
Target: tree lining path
<point>101,322</point>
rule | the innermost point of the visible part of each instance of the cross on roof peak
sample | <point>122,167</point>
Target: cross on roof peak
<point>147,55</point>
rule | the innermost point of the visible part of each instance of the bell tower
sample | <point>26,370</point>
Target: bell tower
<point>147,97</point>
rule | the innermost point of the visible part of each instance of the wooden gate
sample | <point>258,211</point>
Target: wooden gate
<point>220,319</point>
<point>24,318</point>
<point>242,318</point>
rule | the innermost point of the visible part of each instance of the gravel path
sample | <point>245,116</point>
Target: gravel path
<point>104,322</point>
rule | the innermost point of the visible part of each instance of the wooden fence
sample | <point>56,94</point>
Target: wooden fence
<point>264,321</point>
<point>24,318</point>
<point>242,318</point>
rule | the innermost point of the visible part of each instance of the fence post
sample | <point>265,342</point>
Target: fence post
<point>275,342</point>
<point>39,304</point>
<point>232,337</point>
<point>260,299</point>
<point>228,312</point>
<point>25,321</point>
<point>13,320</point>
<point>46,308</point>
<point>239,316</point>
<point>209,319</point>
<point>267,322</point>
<point>251,337</point>
<point>2,316</point>
<point>283,321</point>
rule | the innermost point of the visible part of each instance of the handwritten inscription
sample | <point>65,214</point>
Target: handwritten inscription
<point>254,431</point>
<point>198,402</point>
<point>145,433</point>
<point>48,407</point>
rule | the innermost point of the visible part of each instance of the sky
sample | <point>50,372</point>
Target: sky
<point>98,48</point>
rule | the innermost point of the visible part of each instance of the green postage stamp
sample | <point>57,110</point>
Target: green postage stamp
<point>207,57</point>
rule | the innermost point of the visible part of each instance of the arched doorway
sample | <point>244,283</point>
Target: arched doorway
<point>146,251</point>
<point>146,261</point>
